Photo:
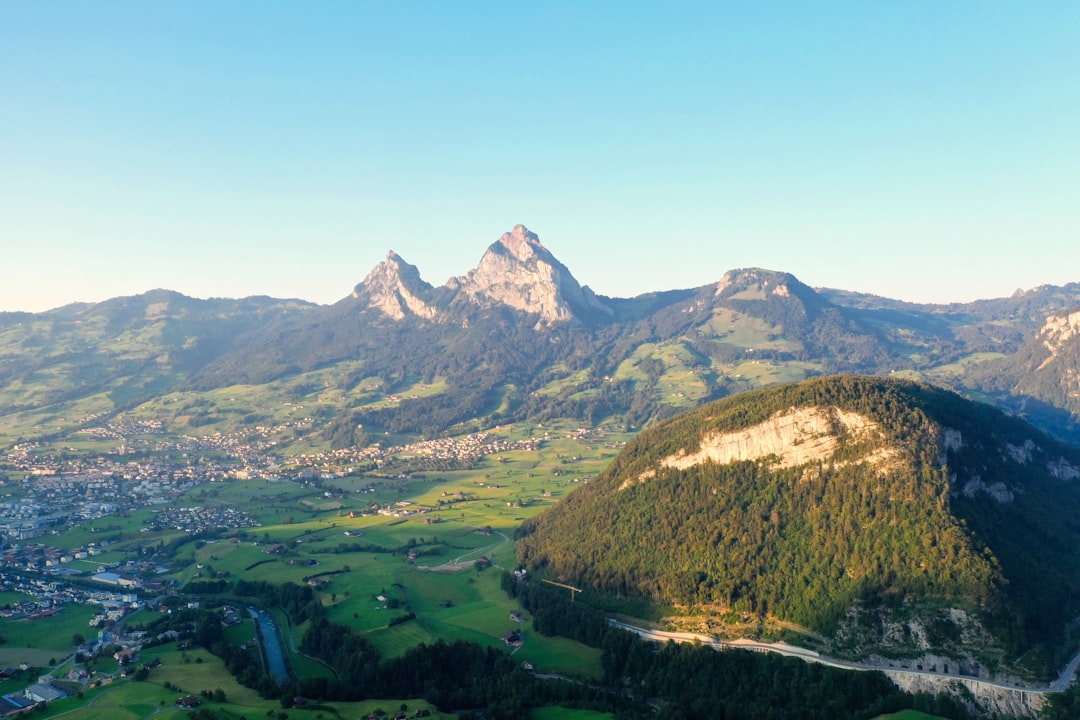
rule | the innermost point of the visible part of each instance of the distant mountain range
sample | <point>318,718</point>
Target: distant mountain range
<point>517,339</point>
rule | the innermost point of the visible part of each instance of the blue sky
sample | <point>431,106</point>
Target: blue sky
<point>925,151</point>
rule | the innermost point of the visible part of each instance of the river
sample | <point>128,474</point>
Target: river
<point>274,653</point>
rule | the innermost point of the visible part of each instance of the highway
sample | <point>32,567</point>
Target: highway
<point>1061,683</point>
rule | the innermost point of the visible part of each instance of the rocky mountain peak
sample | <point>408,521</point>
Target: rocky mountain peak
<point>523,244</point>
<point>518,271</point>
<point>396,288</point>
<point>755,284</point>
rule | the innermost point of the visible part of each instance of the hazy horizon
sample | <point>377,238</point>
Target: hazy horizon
<point>329,298</point>
<point>920,152</point>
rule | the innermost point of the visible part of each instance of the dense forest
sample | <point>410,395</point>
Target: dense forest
<point>640,679</point>
<point>807,543</point>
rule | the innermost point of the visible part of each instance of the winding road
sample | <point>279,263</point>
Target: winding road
<point>1058,685</point>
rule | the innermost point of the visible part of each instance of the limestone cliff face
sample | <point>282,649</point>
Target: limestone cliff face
<point>755,284</point>
<point>519,272</point>
<point>796,437</point>
<point>1050,365</point>
<point>1057,334</point>
<point>1059,329</point>
<point>395,288</point>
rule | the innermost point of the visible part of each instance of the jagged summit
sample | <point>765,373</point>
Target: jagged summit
<point>523,244</point>
<point>516,271</point>
<point>396,288</point>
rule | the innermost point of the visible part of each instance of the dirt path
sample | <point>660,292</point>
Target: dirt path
<point>460,562</point>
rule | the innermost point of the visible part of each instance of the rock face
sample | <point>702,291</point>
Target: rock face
<point>755,284</point>
<point>519,272</point>
<point>1058,330</point>
<point>1049,367</point>
<point>516,272</point>
<point>792,438</point>
<point>395,288</point>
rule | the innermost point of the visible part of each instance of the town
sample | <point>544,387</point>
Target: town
<point>48,493</point>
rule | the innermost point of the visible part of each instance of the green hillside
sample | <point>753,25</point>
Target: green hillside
<point>925,510</point>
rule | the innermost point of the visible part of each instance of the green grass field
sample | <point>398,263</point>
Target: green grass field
<point>451,601</point>
<point>909,715</point>
<point>561,713</point>
<point>53,634</point>
<point>194,671</point>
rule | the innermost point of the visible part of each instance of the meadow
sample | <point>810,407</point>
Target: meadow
<point>441,561</point>
<point>191,672</point>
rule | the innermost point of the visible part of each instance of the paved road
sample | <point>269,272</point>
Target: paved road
<point>1063,681</point>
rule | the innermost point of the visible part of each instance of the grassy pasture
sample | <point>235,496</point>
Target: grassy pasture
<point>392,642</point>
<point>561,713</point>
<point>768,372</point>
<point>564,380</point>
<point>52,634</point>
<point>240,634</point>
<point>498,492</point>
<point>959,366</point>
<point>195,670</point>
<point>560,655</point>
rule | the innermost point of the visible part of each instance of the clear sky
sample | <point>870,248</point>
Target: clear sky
<point>926,151</point>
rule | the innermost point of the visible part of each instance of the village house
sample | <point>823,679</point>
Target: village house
<point>125,656</point>
<point>41,692</point>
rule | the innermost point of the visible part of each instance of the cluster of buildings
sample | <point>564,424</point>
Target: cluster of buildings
<point>55,494</point>
<point>48,597</point>
<point>39,557</point>
<point>42,691</point>
<point>462,451</point>
<point>201,519</point>
<point>59,492</point>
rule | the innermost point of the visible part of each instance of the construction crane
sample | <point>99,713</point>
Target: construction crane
<point>571,588</point>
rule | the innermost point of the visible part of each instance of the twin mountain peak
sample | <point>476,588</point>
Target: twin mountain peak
<point>516,271</point>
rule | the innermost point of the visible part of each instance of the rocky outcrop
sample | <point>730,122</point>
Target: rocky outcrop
<point>1058,330</point>
<point>519,272</point>
<point>986,697</point>
<point>395,288</point>
<point>792,438</point>
<point>754,284</point>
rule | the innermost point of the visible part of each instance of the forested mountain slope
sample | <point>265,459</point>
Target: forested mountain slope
<point>840,504</point>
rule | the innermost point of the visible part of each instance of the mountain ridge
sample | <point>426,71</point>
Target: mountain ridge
<point>518,338</point>
<point>516,271</point>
